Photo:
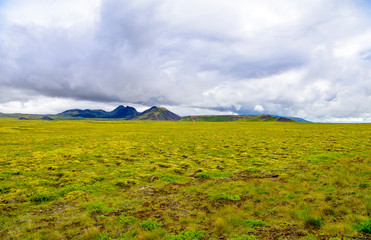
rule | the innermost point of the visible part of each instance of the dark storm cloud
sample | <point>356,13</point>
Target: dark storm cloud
<point>309,59</point>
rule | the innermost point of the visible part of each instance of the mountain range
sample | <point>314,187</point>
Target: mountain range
<point>125,113</point>
<point>161,113</point>
<point>234,118</point>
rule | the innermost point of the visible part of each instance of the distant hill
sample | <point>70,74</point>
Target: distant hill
<point>87,113</point>
<point>296,119</point>
<point>216,118</point>
<point>47,118</point>
<point>153,113</point>
<point>123,112</point>
<point>234,118</point>
<point>120,112</point>
<point>158,113</point>
<point>302,120</point>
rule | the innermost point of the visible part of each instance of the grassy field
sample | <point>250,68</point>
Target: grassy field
<point>183,180</point>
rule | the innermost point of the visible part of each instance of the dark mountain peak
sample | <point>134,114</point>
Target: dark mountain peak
<point>70,110</point>
<point>119,107</point>
<point>158,113</point>
<point>47,118</point>
<point>86,113</point>
<point>119,112</point>
<point>152,108</point>
<point>127,113</point>
<point>123,112</point>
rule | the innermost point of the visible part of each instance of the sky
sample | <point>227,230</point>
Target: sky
<point>308,58</point>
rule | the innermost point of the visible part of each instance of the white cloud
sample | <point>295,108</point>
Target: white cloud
<point>52,105</point>
<point>258,108</point>
<point>308,59</point>
<point>51,14</point>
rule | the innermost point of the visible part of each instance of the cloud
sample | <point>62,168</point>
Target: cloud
<point>309,59</point>
<point>259,108</point>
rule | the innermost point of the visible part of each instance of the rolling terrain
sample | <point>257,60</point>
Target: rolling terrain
<point>86,179</point>
<point>154,114</point>
<point>233,118</point>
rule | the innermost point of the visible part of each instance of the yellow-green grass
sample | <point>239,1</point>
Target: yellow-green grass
<point>87,179</point>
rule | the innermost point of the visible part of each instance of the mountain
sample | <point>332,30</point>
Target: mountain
<point>270,118</point>
<point>162,114</point>
<point>215,118</point>
<point>234,118</point>
<point>87,113</point>
<point>126,113</point>
<point>120,112</point>
<point>302,120</point>
<point>47,118</point>
<point>123,112</point>
<point>158,113</point>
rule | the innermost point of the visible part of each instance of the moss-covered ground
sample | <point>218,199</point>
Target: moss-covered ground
<point>87,179</point>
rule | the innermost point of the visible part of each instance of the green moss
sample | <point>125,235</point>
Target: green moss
<point>186,235</point>
<point>213,175</point>
<point>150,224</point>
<point>86,178</point>
<point>244,237</point>
<point>96,207</point>
<point>127,220</point>
<point>224,196</point>
<point>43,197</point>
<point>363,227</point>
<point>238,222</point>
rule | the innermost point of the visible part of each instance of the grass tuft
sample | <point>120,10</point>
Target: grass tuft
<point>186,235</point>
<point>244,237</point>
<point>150,224</point>
<point>43,197</point>
<point>363,227</point>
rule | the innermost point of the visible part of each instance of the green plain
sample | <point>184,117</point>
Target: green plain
<point>87,179</point>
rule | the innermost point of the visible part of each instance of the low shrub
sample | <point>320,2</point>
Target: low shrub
<point>4,189</point>
<point>104,236</point>
<point>125,183</point>
<point>251,170</point>
<point>244,237</point>
<point>363,227</point>
<point>364,185</point>
<point>224,196</point>
<point>311,221</point>
<point>96,207</point>
<point>70,188</point>
<point>42,197</point>
<point>150,224</point>
<point>213,174</point>
<point>127,220</point>
<point>186,235</point>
